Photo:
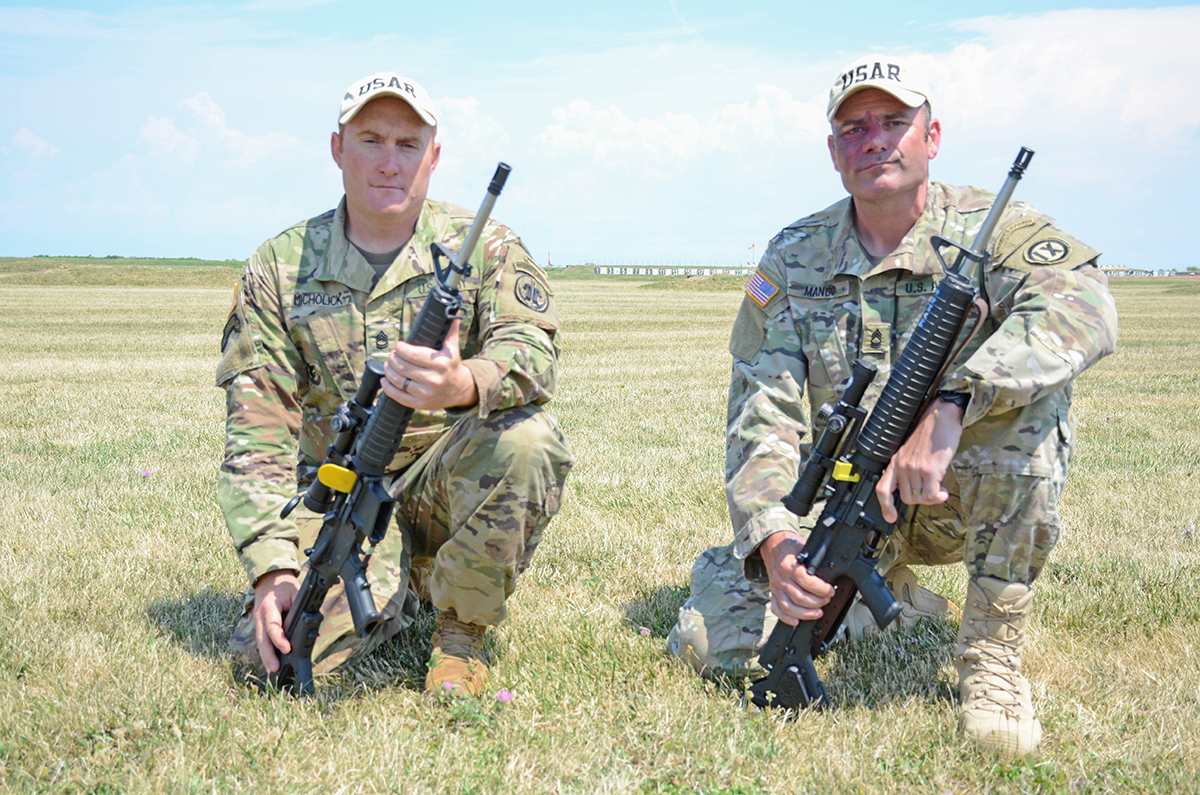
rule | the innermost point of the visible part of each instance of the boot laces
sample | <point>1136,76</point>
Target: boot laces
<point>996,664</point>
<point>460,639</point>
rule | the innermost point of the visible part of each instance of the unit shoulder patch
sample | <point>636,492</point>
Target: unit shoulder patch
<point>1036,243</point>
<point>532,292</point>
<point>526,268</point>
<point>1048,252</point>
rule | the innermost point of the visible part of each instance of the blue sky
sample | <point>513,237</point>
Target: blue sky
<point>665,131</point>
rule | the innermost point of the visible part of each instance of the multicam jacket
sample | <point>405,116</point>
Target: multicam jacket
<point>817,302</point>
<point>306,318</point>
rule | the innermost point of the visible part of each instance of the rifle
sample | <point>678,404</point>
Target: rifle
<point>853,451</point>
<point>349,489</point>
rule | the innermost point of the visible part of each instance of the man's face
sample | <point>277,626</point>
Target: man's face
<point>386,154</point>
<point>879,145</point>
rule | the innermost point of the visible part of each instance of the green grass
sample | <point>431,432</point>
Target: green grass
<point>118,590</point>
<point>117,272</point>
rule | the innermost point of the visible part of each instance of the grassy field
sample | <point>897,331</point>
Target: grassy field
<point>116,272</point>
<point>118,588</point>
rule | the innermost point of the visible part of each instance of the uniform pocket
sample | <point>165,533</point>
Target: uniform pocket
<point>824,326</point>
<point>413,303</point>
<point>332,349</point>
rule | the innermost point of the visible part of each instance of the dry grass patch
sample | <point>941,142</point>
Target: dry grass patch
<point>116,271</point>
<point>118,589</point>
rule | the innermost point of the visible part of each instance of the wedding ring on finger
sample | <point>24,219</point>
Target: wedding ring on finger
<point>407,381</point>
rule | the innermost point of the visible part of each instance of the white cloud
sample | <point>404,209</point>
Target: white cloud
<point>772,116</point>
<point>184,183</point>
<point>26,143</point>
<point>466,130</point>
<point>204,108</point>
<point>662,139</point>
<point>1087,74</point>
<point>245,149</point>
<point>753,132</point>
<point>1100,72</point>
<point>168,149</point>
<point>1105,97</point>
<point>609,140</point>
<point>470,139</point>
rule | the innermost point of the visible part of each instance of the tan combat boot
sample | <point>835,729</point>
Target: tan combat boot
<point>456,666</point>
<point>997,709</point>
<point>918,603</point>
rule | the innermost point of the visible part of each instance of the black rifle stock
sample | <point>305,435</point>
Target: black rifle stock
<point>845,544</point>
<point>349,489</point>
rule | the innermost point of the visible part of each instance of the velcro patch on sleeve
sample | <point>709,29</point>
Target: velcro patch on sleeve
<point>1035,242</point>
<point>761,289</point>
<point>1050,251</point>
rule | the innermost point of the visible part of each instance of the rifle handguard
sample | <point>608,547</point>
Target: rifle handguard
<point>920,362</point>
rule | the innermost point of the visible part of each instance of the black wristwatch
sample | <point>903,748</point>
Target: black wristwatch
<point>960,399</point>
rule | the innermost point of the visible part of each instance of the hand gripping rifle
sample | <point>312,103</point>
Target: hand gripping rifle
<point>853,451</point>
<point>349,488</point>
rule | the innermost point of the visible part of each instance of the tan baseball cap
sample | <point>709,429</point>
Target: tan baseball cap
<point>886,74</point>
<point>387,84</point>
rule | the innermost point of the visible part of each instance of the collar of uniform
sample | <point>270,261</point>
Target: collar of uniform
<point>415,259</point>
<point>919,257</point>
<point>342,261</point>
<point>847,252</point>
<point>852,257</point>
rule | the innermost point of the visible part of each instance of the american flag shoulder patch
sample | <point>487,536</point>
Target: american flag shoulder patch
<point>761,289</point>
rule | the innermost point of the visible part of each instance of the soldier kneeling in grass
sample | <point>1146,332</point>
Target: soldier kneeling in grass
<point>979,477</point>
<point>479,472</point>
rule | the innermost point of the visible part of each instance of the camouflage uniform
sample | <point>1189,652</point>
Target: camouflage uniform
<point>475,488</point>
<point>818,302</point>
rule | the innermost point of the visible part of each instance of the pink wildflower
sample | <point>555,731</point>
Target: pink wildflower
<point>504,696</point>
<point>145,473</point>
<point>644,630</point>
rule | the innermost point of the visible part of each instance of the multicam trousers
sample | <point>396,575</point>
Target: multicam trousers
<point>473,508</point>
<point>1001,526</point>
